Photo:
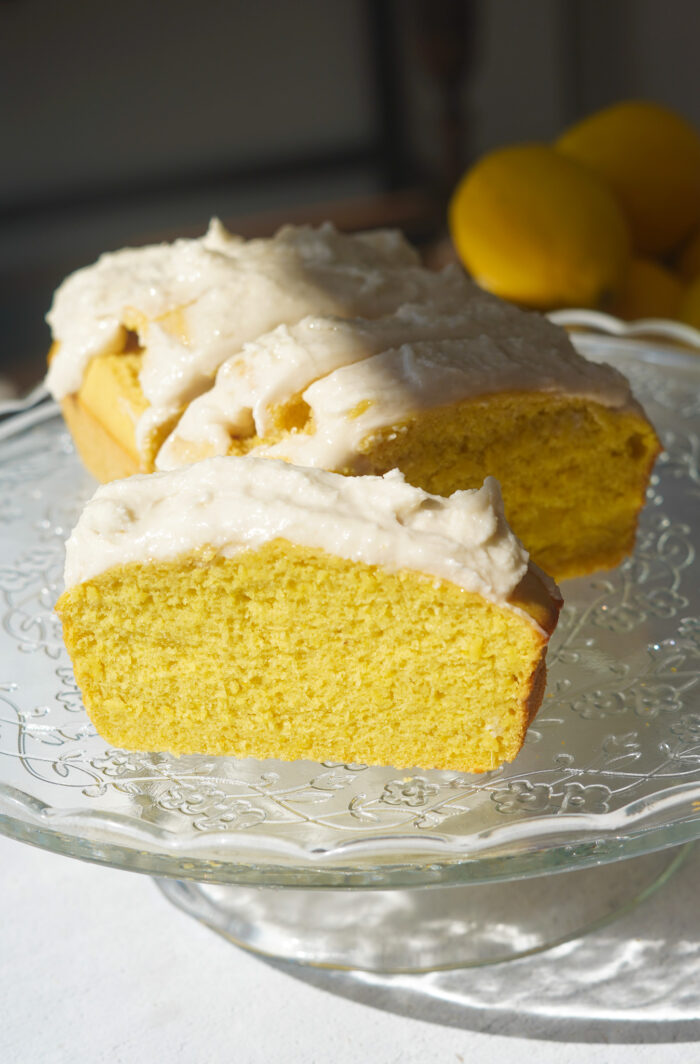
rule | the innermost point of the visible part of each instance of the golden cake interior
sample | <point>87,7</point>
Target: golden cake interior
<point>289,652</point>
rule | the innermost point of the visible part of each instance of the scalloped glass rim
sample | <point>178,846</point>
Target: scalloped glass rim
<point>651,328</point>
<point>379,864</point>
<point>527,838</point>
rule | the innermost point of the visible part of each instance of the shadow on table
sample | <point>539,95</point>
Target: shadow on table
<point>636,981</point>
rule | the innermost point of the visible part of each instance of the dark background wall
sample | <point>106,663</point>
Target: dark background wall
<point>131,121</point>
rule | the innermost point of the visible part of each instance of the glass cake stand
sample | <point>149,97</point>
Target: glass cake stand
<point>348,866</point>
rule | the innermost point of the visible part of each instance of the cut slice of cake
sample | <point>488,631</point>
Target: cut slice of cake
<point>248,607</point>
<point>141,333</point>
<point>447,398</point>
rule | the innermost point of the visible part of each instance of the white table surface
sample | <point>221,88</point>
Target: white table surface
<point>96,966</point>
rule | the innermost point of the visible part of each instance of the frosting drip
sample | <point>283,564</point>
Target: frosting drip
<point>195,303</point>
<point>392,367</point>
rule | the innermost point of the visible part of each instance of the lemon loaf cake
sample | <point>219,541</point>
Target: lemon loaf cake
<point>342,352</point>
<point>249,607</point>
<point>140,333</point>
<point>448,398</point>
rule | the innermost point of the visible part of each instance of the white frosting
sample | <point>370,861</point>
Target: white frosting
<point>398,384</point>
<point>225,291</point>
<point>281,364</point>
<point>395,366</point>
<point>234,504</point>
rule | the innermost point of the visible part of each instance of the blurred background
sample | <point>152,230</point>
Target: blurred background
<point>126,123</point>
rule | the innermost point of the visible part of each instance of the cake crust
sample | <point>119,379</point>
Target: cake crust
<point>101,454</point>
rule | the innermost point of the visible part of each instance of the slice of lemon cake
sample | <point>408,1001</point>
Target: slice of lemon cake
<point>142,332</point>
<point>248,607</point>
<point>448,398</point>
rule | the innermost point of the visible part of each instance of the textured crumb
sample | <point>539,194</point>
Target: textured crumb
<point>288,652</point>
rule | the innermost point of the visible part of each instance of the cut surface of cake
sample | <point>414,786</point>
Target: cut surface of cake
<point>248,607</point>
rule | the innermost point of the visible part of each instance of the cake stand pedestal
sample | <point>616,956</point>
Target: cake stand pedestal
<point>424,928</point>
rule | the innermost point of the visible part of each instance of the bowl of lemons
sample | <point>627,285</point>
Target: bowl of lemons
<point>600,226</point>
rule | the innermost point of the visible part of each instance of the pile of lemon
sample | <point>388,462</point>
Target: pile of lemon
<point>606,217</point>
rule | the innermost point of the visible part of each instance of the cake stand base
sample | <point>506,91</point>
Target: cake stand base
<point>428,928</point>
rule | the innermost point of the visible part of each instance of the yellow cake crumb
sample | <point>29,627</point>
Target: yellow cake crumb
<point>289,652</point>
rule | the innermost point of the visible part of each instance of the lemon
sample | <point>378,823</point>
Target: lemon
<point>688,264</point>
<point>539,229</point>
<point>650,157</point>
<point>690,306</point>
<point>649,290</point>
